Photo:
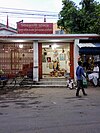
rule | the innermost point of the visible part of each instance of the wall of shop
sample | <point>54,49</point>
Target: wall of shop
<point>14,59</point>
<point>76,56</point>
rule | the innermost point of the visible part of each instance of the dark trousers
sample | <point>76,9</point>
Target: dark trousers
<point>80,86</point>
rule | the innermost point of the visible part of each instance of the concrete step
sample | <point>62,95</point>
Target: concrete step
<point>48,86</point>
<point>53,79</point>
<point>39,86</point>
<point>45,82</point>
<point>51,82</point>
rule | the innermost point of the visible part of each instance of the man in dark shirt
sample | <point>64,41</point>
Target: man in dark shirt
<point>79,75</point>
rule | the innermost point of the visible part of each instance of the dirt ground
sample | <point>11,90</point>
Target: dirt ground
<point>49,110</point>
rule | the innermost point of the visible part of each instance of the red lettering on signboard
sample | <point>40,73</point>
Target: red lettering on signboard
<point>35,28</point>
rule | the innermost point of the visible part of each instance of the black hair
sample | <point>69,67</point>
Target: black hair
<point>79,63</point>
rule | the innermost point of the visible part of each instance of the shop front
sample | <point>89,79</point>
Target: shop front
<point>48,55</point>
<point>90,55</point>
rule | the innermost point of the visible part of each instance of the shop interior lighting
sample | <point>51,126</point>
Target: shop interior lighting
<point>20,45</point>
<point>54,46</point>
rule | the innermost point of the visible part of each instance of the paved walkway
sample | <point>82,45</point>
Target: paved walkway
<point>50,110</point>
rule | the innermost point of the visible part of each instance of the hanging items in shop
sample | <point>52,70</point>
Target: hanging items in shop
<point>56,64</point>
<point>45,52</point>
<point>44,55</point>
<point>55,53</point>
<point>63,50</point>
<point>50,65</point>
<point>62,56</point>
<point>48,59</point>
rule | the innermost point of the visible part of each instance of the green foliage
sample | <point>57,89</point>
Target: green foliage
<point>86,19</point>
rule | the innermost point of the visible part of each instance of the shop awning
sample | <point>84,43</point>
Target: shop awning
<point>85,45</point>
<point>90,49</point>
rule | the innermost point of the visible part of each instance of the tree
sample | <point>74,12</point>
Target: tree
<point>86,19</point>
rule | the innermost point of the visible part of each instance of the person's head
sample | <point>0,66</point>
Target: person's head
<point>69,78</point>
<point>95,64</point>
<point>79,63</point>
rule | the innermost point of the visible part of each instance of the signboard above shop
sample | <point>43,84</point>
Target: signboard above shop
<point>34,28</point>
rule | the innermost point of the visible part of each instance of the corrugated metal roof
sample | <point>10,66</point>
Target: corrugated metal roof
<point>86,45</point>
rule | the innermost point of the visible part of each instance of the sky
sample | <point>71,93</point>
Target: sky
<point>37,7</point>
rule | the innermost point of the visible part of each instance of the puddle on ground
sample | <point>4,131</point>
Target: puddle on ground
<point>77,105</point>
<point>45,106</point>
<point>21,99</point>
<point>4,106</point>
<point>35,102</point>
<point>12,101</point>
<point>3,113</point>
<point>24,106</point>
<point>30,97</point>
<point>70,98</point>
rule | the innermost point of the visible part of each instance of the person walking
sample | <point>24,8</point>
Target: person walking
<point>79,75</point>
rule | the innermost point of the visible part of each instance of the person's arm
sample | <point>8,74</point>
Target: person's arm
<point>76,72</point>
<point>82,71</point>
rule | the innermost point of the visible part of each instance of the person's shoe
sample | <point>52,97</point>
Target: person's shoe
<point>78,96</point>
<point>85,94</point>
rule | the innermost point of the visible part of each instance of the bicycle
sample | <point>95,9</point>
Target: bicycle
<point>18,81</point>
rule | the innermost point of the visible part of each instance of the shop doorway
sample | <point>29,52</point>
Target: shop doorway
<point>55,60</point>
